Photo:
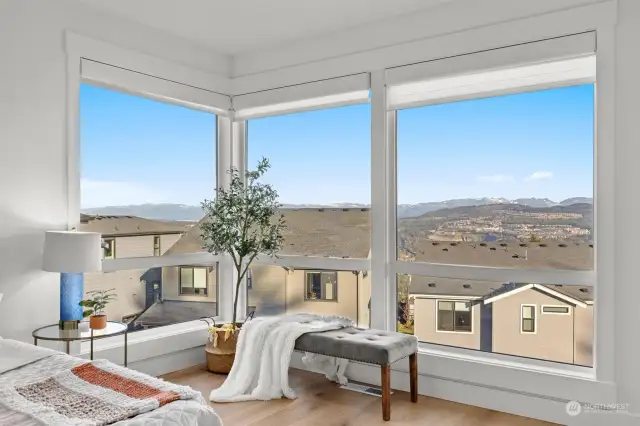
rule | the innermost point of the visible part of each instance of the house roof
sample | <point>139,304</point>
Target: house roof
<point>110,225</point>
<point>431,286</point>
<point>315,232</point>
<point>548,254</point>
<point>169,312</point>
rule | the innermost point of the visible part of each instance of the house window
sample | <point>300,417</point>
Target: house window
<point>556,310</point>
<point>321,286</point>
<point>454,316</point>
<point>528,320</point>
<point>109,248</point>
<point>156,246</point>
<point>249,279</point>
<point>193,280</point>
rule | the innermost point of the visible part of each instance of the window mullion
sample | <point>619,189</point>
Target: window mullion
<point>382,195</point>
<point>225,271</point>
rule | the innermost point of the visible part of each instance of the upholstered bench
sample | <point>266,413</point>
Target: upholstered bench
<point>370,346</point>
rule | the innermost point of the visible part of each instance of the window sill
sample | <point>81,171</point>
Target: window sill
<point>528,376</point>
<point>152,343</point>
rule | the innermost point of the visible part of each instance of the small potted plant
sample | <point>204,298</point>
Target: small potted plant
<point>243,221</point>
<point>95,303</point>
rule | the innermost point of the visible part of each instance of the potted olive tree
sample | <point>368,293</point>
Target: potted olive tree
<point>243,221</point>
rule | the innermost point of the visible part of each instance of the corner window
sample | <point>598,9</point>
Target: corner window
<point>454,316</point>
<point>156,246</point>
<point>194,281</point>
<point>321,286</point>
<point>109,248</point>
<point>528,319</point>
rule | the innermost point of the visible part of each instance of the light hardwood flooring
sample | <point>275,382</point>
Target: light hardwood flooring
<point>322,403</point>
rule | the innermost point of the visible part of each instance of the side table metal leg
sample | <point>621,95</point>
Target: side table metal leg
<point>91,351</point>
<point>35,341</point>
<point>125,349</point>
<point>68,347</point>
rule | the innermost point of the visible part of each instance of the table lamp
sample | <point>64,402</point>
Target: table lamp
<point>72,254</point>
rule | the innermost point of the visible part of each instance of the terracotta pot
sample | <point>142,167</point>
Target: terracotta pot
<point>220,357</point>
<point>98,322</point>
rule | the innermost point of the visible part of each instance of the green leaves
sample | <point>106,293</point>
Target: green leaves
<point>96,301</point>
<point>244,220</point>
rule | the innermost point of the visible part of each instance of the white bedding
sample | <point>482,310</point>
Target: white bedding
<point>40,363</point>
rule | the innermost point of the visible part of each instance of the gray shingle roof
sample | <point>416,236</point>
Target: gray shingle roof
<point>129,225</point>
<point>313,232</point>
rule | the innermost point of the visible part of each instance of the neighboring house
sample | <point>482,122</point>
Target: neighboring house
<point>125,237</point>
<point>530,320</point>
<point>277,290</point>
<point>547,322</point>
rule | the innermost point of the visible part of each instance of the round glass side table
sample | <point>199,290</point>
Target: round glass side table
<point>53,333</point>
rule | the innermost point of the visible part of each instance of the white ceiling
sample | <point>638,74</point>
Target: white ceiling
<point>238,26</point>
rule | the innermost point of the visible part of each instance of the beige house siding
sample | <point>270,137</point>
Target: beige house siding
<point>268,292</point>
<point>425,326</point>
<point>364,295</point>
<point>554,337</point>
<point>138,246</point>
<point>583,340</point>
<point>171,285</point>
<point>345,305</point>
<point>278,291</point>
<point>166,241</point>
<point>129,289</point>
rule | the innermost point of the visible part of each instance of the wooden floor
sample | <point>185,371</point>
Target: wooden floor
<point>322,403</point>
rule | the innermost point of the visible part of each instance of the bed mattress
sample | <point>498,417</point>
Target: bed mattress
<point>22,364</point>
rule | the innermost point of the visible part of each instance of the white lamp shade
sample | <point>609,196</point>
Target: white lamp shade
<point>70,251</point>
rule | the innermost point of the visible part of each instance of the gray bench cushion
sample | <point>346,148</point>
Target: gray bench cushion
<point>371,346</point>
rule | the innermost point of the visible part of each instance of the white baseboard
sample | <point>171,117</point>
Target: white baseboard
<point>506,401</point>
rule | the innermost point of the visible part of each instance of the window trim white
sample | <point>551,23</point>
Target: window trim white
<point>437,301</point>
<point>603,178</point>
<point>535,318</point>
<point>567,307</point>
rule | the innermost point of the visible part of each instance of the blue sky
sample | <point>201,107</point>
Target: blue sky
<point>539,144</point>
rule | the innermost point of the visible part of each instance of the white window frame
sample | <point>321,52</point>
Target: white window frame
<point>591,384</point>
<point>135,73</point>
<point>567,307</point>
<point>505,372</point>
<point>454,301</point>
<point>535,318</point>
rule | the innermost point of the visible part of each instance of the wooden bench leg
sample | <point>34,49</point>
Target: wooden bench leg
<point>413,376</point>
<point>386,392</point>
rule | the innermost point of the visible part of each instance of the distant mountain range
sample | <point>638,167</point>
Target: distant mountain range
<point>193,213</point>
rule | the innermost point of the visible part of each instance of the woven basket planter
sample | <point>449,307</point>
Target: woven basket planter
<point>220,357</point>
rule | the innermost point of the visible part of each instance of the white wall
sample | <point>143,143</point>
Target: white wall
<point>33,171</point>
<point>627,140</point>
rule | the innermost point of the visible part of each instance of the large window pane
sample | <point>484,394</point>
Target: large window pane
<point>274,290</point>
<point>502,181</point>
<point>145,167</point>
<point>321,169</point>
<point>506,318</point>
<point>155,297</point>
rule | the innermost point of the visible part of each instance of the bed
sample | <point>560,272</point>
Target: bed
<point>39,386</point>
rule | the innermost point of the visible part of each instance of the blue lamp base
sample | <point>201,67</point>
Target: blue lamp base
<point>71,292</point>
